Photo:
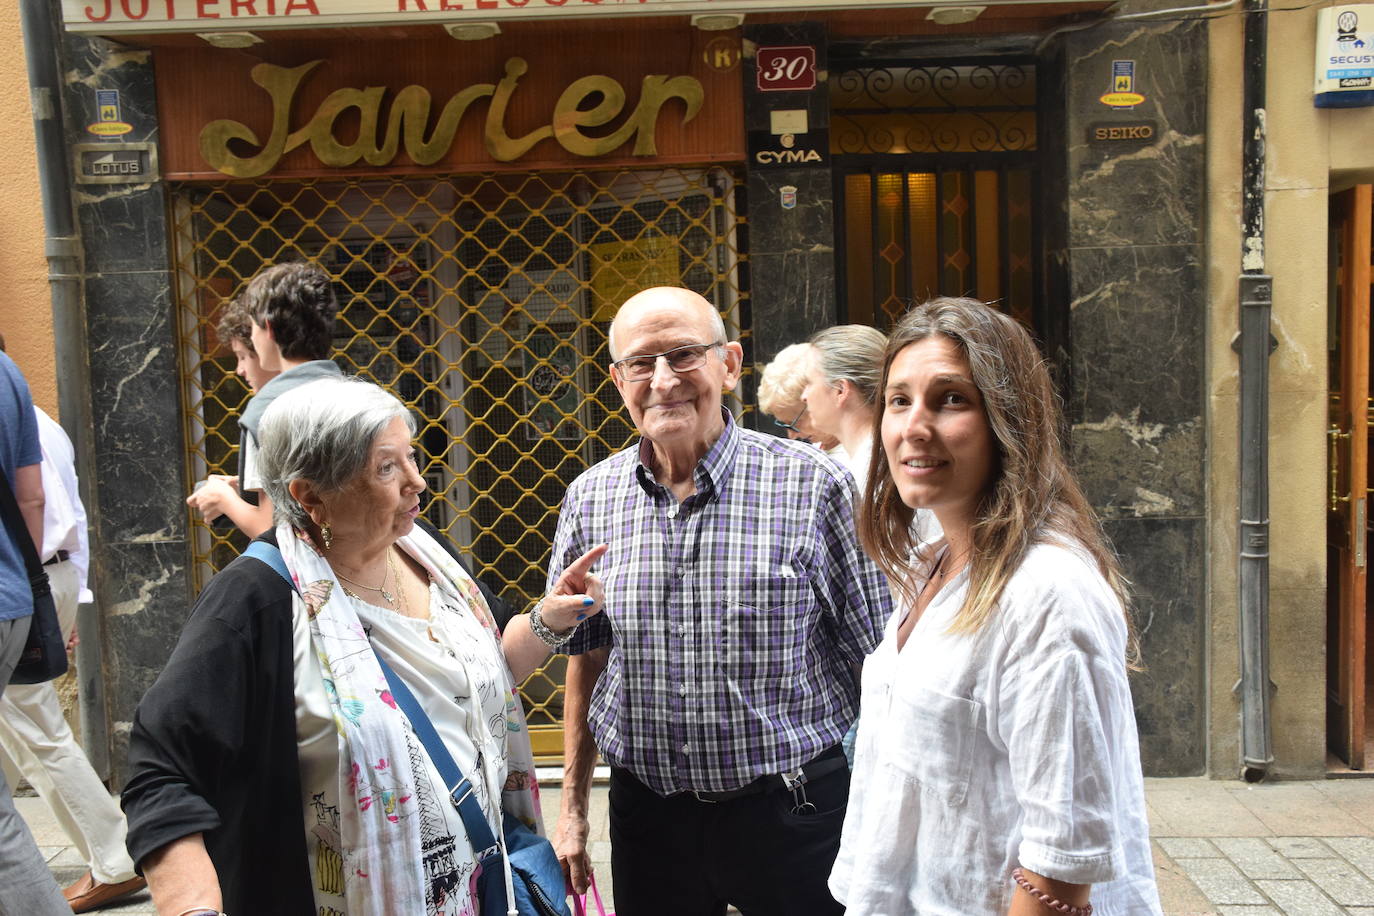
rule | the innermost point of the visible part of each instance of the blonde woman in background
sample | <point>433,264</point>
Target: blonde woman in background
<point>780,394</point>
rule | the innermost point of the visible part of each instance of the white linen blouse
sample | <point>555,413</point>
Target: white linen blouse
<point>1015,745</point>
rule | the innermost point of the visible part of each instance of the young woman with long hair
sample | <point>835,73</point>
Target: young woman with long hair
<point>998,770</point>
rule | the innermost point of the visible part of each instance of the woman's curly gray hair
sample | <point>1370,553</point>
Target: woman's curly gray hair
<point>321,432</point>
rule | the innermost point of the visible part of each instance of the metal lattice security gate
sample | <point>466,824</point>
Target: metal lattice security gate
<point>483,302</point>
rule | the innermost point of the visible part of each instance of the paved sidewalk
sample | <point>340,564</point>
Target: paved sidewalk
<point>1221,848</point>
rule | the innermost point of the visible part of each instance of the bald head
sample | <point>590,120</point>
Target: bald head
<point>664,301</point>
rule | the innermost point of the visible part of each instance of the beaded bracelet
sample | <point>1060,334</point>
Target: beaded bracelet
<point>201,911</point>
<point>1053,903</point>
<point>548,637</point>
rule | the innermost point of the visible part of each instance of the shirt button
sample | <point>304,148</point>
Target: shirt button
<point>685,749</point>
<point>682,690</point>
<point>680,571</point>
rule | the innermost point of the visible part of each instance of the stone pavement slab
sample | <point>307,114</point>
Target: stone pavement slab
<point>1341,881</point>
<point>1254,857</point>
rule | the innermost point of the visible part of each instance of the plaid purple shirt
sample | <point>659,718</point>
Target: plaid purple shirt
<point>734,619</point>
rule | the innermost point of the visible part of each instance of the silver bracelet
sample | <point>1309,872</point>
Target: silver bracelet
<point>554,641</point>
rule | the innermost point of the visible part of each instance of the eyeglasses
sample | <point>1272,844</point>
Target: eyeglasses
<point>792,427</point>
<point>680,359</point>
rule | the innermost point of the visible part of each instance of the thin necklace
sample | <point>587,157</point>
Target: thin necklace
<point>404,607</point>
<point>939,569</point>
<point>380,589</point>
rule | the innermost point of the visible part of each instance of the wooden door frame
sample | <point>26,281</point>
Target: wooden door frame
<point>1352,210</point>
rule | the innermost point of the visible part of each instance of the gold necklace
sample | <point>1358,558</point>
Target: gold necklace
<point>380,589</point>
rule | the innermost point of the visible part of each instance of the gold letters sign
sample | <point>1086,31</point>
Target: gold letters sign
<point>588,102</point>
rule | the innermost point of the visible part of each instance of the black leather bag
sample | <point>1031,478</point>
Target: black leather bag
<point>45,651</point>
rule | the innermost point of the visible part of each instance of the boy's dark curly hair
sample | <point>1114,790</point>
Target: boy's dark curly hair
<point>297,299</point>
<point>235,324</point>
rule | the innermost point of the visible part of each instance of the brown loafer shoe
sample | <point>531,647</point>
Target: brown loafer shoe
<point>89,894</point>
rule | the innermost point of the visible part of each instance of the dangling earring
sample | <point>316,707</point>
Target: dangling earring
<point>327,535</point>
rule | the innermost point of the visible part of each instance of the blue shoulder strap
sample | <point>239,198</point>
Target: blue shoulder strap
<point>271,555</point>
<point>460,788</point>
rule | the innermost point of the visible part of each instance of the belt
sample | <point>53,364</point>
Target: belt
<point>828,762</point>
<point>56,558</point>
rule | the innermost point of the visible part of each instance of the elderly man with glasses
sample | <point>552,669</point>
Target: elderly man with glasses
<point>721,676</point>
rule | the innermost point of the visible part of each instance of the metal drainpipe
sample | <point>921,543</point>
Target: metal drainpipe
<point>1254,344</point>
<point>63,249</point>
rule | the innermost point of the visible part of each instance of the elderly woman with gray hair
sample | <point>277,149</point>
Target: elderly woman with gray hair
<point>272,768</point>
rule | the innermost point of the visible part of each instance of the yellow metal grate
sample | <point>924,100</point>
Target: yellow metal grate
<point>483,302</point>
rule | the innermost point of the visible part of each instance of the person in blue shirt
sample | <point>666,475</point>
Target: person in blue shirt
<point>29,887</point>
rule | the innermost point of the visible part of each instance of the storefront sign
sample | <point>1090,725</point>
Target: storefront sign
<point>379,138</point>
<point>152,16</point>
<point>115,163</point>
<point>1345,57</point>
<point>789,151</point>
<point>1137,133</point>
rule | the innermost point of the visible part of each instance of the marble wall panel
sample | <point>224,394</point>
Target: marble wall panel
<point>144,604</point>
<point>791,251</point>
<point>1126,254</point>
<point>138,422</point>
<point>1160,557</point>
<point>1152,194</point>
<point>140,550</point>
<point>806,227</point>
<point>793,295</point>
<point>1137,324</point>
<point>123,228</point>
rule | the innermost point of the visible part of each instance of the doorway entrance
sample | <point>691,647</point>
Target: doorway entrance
<point>1349,694</point>
<point>936,185</point>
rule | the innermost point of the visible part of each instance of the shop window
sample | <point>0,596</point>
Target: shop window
<point>483,303</point>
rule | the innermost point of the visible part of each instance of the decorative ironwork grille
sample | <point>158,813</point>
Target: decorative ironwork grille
<point>936,185</point>
<point>938,108</point>
<point>483,302</point>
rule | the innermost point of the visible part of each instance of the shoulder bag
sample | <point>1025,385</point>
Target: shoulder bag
<point>45,651</point>
<point>536,874</point>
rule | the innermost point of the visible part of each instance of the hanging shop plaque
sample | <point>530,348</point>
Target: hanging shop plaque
<point>1122,133</point>
<point>115,163</point>
<point>789,69</point>
<point>1345,57</point>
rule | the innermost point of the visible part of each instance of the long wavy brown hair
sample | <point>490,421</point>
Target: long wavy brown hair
<point>1033,496</point>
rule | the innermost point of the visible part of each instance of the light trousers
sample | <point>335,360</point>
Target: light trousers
<point>34,735</point>
<point>27,887</point>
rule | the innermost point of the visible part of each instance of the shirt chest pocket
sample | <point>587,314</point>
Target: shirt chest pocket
<point>765,626</point>
<point>933,740</point>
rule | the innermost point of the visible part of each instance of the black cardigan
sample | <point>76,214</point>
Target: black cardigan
<point>213,744</point>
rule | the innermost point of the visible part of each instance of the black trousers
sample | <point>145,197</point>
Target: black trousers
<point>678,856</point>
